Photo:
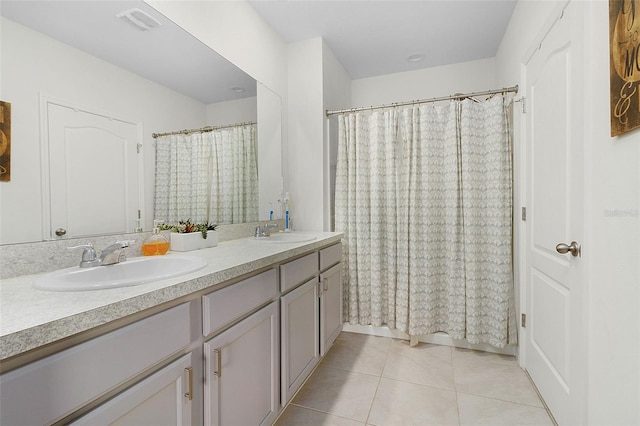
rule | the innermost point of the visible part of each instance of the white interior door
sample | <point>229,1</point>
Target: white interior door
<point>554,342</point>
<point>93,173</point>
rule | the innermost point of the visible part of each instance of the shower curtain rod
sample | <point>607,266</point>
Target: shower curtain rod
<point>202,129</point>
<point>424,101</point>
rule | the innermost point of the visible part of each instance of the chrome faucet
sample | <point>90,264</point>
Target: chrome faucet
<point>112,254</point>
<point>265,231</point>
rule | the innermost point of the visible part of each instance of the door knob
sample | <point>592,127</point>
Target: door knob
<point>573,248</point>
<point>60,232</point>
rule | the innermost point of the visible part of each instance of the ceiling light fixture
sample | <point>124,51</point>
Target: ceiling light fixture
<point>238,89</point>
<point>139,19</point>
<point>416,57</point>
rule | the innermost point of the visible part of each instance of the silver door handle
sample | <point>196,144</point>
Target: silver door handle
<point>218,371</point>
<point>189,393</point>
<point>573,248</point>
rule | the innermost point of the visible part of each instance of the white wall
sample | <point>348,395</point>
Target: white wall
<point>35,65</point>
<point>305,129</point>
<point>336,89</point>
<point>231,112</point>
<point>612,190</point>
<point>317,81</point>
<point>426,83</point>
<point>613,173</point>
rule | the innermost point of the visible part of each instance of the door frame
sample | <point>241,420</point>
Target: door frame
<point>523,199</point>
<point>46,100</point>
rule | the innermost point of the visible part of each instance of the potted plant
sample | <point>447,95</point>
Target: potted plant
<point>186,236</point>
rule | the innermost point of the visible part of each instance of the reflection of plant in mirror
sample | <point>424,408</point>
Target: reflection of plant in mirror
<point>186,227</point>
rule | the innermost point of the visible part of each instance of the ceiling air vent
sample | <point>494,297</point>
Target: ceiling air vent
<point>141,20</point>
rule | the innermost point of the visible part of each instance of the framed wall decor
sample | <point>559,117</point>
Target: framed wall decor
<point>5,141</point>
<point>624,65</point>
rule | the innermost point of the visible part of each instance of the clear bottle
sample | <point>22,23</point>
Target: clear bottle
<point>156,244</point>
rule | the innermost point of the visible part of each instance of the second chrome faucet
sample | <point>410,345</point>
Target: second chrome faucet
<point>264,231</point>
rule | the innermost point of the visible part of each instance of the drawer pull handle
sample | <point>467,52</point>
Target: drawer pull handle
<point>189,393</point>
<point>218,371</point>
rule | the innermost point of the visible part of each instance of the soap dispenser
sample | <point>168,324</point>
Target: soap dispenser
<point>156,244</point>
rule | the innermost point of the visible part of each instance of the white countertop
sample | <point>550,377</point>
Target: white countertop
<point>30,318</point>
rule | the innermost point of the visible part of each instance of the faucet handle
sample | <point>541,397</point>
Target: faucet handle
<point>89,256</point>
<point>89,253</point>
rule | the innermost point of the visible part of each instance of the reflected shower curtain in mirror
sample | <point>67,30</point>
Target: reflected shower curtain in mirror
<point>234,181</point>
<point>209,177</point>
<point>424,197</point>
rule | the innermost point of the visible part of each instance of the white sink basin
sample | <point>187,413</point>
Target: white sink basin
<point>286,237</point>
<point>131,272</point>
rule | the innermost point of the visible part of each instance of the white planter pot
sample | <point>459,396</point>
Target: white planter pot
<point>193,241</point>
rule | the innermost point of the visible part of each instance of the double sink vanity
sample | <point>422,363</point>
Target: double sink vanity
<point>229,341</point>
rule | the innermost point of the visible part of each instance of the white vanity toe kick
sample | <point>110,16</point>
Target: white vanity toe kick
<point>31,318</point>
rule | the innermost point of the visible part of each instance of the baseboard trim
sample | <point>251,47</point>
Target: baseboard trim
<point>436,338</point>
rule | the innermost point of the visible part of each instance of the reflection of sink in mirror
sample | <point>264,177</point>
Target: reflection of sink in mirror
<point>286,237</point>
<point>131,272</point>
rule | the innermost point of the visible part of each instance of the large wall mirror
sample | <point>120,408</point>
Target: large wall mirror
<point>113,72</point>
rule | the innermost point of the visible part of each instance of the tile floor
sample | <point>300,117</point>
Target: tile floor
<point>368,380</point>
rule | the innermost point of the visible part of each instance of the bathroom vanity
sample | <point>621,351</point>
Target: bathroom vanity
<point>229,344</point>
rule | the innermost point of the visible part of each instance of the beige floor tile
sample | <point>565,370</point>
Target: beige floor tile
<point>505,382</point>
<point>423,364</point>
<point>400,403</point>
<point>359,355</point>
<point>476,410</point>
<point>300,416</point>
<point>346,394</point>
<point>381,342</point>
<point>480,359</point>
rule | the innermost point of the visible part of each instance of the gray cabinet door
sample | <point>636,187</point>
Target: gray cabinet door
<point>330,307</point>
<point>300,348</point>
<point>242,372</point>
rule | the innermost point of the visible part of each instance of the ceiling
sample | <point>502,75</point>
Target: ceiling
<point>375,37</point>
<point>369,37</point>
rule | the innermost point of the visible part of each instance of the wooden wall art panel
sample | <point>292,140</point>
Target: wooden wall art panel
<point>5,141</point>
<point>624,60</point>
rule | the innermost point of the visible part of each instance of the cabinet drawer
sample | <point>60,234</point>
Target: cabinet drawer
<point>47,390</point>
<point>299,271</point>
<point>158,399</point>
<point>231,303</point>
<point>330,256</point>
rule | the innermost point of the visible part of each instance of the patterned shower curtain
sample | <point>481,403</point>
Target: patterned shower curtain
<point>424,198</point>
<point>209,177</point>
